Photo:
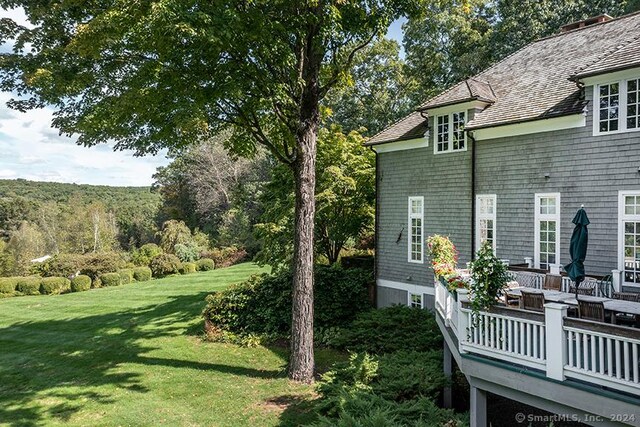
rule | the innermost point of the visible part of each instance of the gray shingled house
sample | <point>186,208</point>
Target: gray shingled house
<point>510,154</point>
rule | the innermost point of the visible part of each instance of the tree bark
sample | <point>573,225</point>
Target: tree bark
<point>301,364</point>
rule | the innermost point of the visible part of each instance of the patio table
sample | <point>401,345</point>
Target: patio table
<point>611,305</point>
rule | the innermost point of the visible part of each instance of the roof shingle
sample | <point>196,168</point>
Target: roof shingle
<point>534,82</point>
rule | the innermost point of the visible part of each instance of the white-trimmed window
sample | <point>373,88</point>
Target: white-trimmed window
<point>547,230</point>
<point>629,236</point>
<point>450,135</point>
<point>415,300</point>
<point>617,106</point>
<point>416,229</point>
<point>486,220</point>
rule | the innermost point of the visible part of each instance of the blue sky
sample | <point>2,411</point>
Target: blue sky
<point>31,149</point>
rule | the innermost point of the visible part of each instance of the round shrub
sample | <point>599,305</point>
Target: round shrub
<point>188,268</point>
<point>165,264</point>
<point>54,285</point>
<point>8,285</point>
<point>126,275</point>
<point>110,279</point>
<point>205,264</point>
<point>80,283</point>
<point>142,274</point>
<point>28,285</point>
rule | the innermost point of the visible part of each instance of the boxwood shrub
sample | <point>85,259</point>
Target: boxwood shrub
<point>54,285</point>
<point>165,264</point>
<point>189,267</point>
<point>142,274</point>
<point>205,264</point>
<point>8,285</point>
<point>126,275</point>
<point>80,283</point>
<point>110,279</point>
<point>28,285</point>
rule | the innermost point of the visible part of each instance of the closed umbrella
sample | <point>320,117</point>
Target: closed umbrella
<point>578,248</point>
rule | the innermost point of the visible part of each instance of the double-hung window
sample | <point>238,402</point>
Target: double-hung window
<point>617,107</point>
<point>486,220</point>
<point>450,135</point>
<point>416,229</point>
<point>547,230</point>
<point>415,300</point>
<point>629,236</point>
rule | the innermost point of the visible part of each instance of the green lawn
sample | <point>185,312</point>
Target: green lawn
<point>131,355</point>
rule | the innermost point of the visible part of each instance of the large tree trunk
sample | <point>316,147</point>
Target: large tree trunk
<point>301,364</point>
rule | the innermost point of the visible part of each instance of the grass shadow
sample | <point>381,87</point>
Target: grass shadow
<point>49,367</point>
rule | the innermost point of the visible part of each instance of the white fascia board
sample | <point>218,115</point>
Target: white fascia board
<point>611,77</point>
<point>409,287</point>
<point>526,128</point>
<point>409,144</point>
<point>456,108</point>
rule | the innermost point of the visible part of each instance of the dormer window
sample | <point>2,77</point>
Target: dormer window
<point>618,107</point>
<point>449,133</point>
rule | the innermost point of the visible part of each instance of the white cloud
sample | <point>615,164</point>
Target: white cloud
<point>31,149</point>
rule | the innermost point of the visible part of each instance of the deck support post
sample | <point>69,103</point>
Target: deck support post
<point>447,394</point>
<point>478,413</point>
<point>554,315</point>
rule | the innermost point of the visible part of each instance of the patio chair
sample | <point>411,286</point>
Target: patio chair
<point>587,287</point>
<point>527,279</point>
<point>605,286</point>
<point>591,311</point>
<point>623,318</point>
<point>533,301</point>
<point>552,282</point>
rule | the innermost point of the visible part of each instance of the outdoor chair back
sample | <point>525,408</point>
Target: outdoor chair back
<point>583,289</point>
<point>533,301</point>
<point>552,282</point>
<point>591,310</point>
<point>527,279</point>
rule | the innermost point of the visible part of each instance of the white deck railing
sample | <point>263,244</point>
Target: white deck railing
<point>562,347</point>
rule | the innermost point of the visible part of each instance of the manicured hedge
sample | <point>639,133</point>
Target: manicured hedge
<point>8,285</point>
<point>189,267</point>
<point>126,275</point>
<point>142,274</point>
<point>205,264</point>
<point>165,264</point>
<point>28,285</point>
<point>54,285</point>
<point>97,264</point>
<point>80,283</point>
<point>110,279</point>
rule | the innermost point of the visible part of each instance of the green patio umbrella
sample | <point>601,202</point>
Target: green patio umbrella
<point>578,248</point>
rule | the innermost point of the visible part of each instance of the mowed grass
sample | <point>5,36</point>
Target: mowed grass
<point>132,356</point>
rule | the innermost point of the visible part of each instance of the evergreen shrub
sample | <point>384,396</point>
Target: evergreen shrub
<point>110,279</point>
<point>142,274</point>
<point>80,283</point>
<point>54,285</point>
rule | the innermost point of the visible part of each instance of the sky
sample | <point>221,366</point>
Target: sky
<point>31,149</point>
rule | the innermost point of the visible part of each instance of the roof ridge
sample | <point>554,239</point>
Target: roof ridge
<point>606,54</point>
<point>618,18</point>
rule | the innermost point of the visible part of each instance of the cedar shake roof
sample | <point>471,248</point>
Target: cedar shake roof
<point>535,82</point>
